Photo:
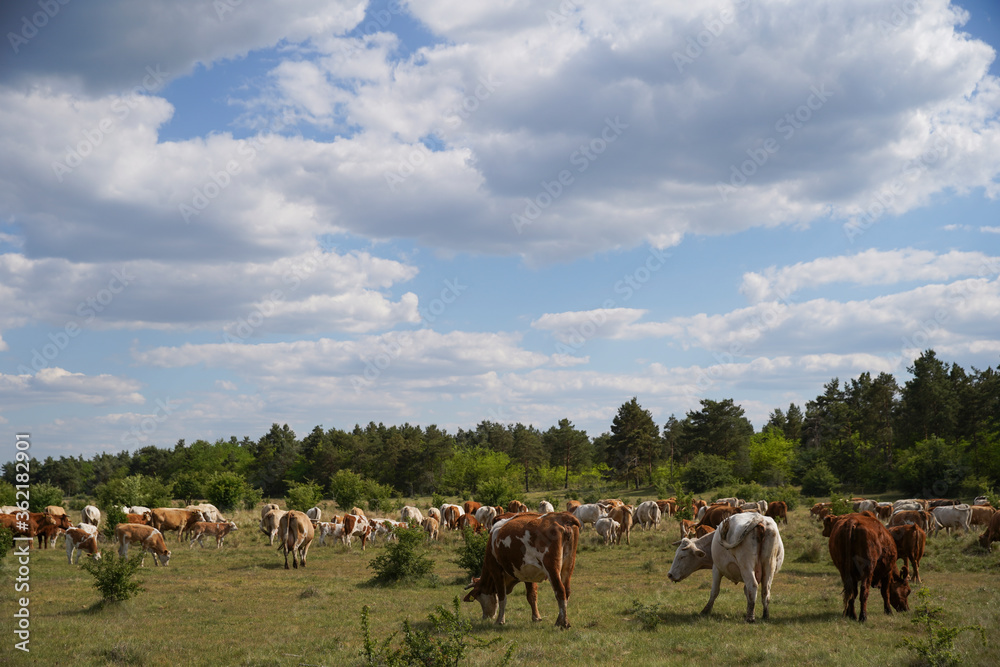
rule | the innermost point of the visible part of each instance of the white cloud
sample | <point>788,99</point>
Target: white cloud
<point>57,385</point>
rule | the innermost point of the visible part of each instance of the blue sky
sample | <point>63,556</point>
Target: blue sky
<point>441,212</point>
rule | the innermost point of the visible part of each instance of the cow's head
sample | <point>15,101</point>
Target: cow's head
<point>164,556</point>
<point>688,558</point>
<point>899,590</point>
<point>984,540</point>
<point>488,601</point>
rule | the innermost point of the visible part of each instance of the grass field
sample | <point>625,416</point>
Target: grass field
<point>238,606</point>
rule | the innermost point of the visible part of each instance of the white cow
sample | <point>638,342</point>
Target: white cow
<point>865,506</point>
<point>139,509</point>
<point>434,513</point>
<point>486,515</point>
<point>981,500</point>
<point>909,504</point>
<point>91,515</point>
<point>545,507</point>
<point>607,528</point>
<point>88,528</point>
<point>410,513</point>
<point>329,529</point>
<point>209,511</point>
<point>954,516</point>
<point>589,513</point>
<point>314,513</point>
<point>745,548</point>
<point>648,515</point>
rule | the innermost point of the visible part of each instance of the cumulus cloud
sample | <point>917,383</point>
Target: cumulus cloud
<point>57,385</point>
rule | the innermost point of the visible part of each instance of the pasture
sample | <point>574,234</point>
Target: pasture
<point>238,606</point>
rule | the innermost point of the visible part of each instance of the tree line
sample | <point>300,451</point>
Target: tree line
<point>937,434</point>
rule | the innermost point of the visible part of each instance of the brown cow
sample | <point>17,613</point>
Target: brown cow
<point>172,518</point>
<point>432,528</point>
<point>992,533</point>
<point>470,506</point>
<point>865,554</point>
<point>527,547</point>
<point>981,515</point>
<point>777,510</point>
<point>148,538</point>
<point>296,532</point>
<point>470,521</point>
<point>27,527</point>
<point>139,518</point>
<point>815,510</point>
<point>910,542</point>
<point>217,529</point>
<point>572,505</point>
<point>623,515</point>
<point>55,510</point>
<point>450,515</point>
<point>48,531</point>
<point>716,514</point>
<point>921,518</point>
<point>516,506</point>
<point>78,541</point>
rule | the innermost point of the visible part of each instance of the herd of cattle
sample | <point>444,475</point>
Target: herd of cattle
<point>735,539</point>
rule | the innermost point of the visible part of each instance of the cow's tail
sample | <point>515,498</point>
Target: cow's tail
<point>729,540</point>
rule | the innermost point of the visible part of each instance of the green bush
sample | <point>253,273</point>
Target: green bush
<point>788,493</point>
<point>437,500</point>
<point>840,506</point>
<point>190,486</point>
<point>113,576</point>
<point>380,497</point>
<point>252,497</point>
<point>347,489</point>
<point>472,552</point>
<point>8,494</point>
<point>404,560</point>
<point>303,496</point>
<point>113,515</point>
<point>43,495</point>
<point>705,471</point>
<point>819,481</point>
<point>647,615</point>
<point>496,491</point>
<point>134,490</point>
<point>938,649</point>
<point>6,542</point>
<point>226,490</point>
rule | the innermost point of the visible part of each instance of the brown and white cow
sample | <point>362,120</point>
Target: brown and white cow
<point>355,525</point>
<point>148,538</point>
<point>527,547</point>
<point>49,531</point>
<point>78,541</point>
<point>296,531</point>
<point>910,542</point>
<point>216,529</point>
<point>173,518</point>
<point>516,506</point>
<point>992,533</point>
<point>470,506</point>
<point>622,515</point>
<point>485,516</point>
<point>139,518</point>
<point>865,555</point>
<point>450,515</point>
<point>921,518</point>
<point>470,521</point>
<point>668,507</point>
<point>981,515</point>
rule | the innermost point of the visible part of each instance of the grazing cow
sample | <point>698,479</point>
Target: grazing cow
<point>571,505</point>
<point>700,531</point>
<point>432,528</point>
<point>470,506</point>
<point>921,518</point>
<point>981,500</point>
<point>716,514</point>
<point>883,511</point>
<point>78,541</point>
<point>144,519</point>
<point>172,518</point>
<point>148,538</point>
<point>589,513</point>
<point>55,510</point>
<point>942,502</point>
<point>777,510</point>
<point>623,516</point>
<point>20,527</point>
<point>88,528</point>
<point>732,502</point>
<point>531,548</point>
<point>314,514</point>
<point>746,548</point>
<point>470,521</point>
<point>434,512</point>
<point>667,507</point>
<point>953,516</point>
<point>357,511</point>
<point>329,529</point>
<point>909,504</point>
<point>91,515</point>
<point>992,533</point>
<point>544,507</point>
<point>356,525</point>
<point>270,525</point>
<point>516,507</point>
<point>864,553</point>
<point>217,529</point>
<point>451,514</point>
<point>648,514</point>
<point>981,515</point>
<point>816,511</point>
<point>687,526</point>
<point>49,533</point>
<point>267,507</point>
<point>910,542</point>
<point>297,533</point>
<point>485,516</point>
<point>410,514</point>
<point>607,528</point>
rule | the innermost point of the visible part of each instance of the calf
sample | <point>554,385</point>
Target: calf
<point>778,510</point>
<point>992,533</point>
<point>411,514</point>
<point>607,528</point>
<point>470,521</point>
<point>81,541</point>
<point>216,529</point>
<point>432,527</point>
<point>864,553</point>
<point>910,542</point>
<point>531,548</point>
<point>623,516</point>
<point>138,518</point>
<point>148,538</point>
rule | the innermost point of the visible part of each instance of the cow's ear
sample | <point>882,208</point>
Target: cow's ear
<point>904,573</point>
<point>699,553</point>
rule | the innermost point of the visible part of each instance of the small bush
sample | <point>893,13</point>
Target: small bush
<point>134,490</point>
<point>819,481</point>
<point>227,490</point>
<point>113,516</point>
<point>445,644</point>
<point>6,542</point>
<point>647,615</point>
<point>437,500</point>
<point>347,489</point>
<point>404,560</point>
<point>380,497</point>
<point>472,553</point>
<point>839,506</point>
<point>189,486</point>
<point>706,471</point>
<point>496,491</point>
<point>303,496</point>
<point>43,495</point>
<point>787,493</point>
<point>811,554</point>
<point>8,494</point>
<point>113,575</point>
<point>938,649</point>
<point>252,497</point>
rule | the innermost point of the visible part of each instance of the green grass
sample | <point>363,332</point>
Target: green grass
<point>238,606</point>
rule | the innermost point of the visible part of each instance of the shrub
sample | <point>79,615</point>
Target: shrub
<point>445,644</point>
<point>938,649</point>
<point>134,490</point>
<point>303,496</point>
<point>839,506</point>
<point>347,488</point>
<point>227,490</point>
<point>684,501</point>
<point>113,575</point>
<point>189,486</point>
<point>380,496</point>
<point>252,497</point>
<point>788,493</point>
<point>404,560</point>
<point>437,500</point>
<point>819,481</point>
<point>472,552</point>
<point>113,515</point>
<point>496,491</point>
<point>43,495</point>
<point>647,615</point>
<point>6,542</point>
<point>8,494</point>
<point>706,471</point>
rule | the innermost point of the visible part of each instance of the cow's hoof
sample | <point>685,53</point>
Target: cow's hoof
<point>537,619</point>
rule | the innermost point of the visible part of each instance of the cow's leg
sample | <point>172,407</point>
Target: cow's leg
<point>716,583</point>
<point>916,570</point>
<point>850,593</point>
<point>531,593</point>
<point>750,590</point>
<point>865,590</point>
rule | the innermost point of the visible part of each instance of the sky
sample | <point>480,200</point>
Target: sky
<point>215,216</point>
